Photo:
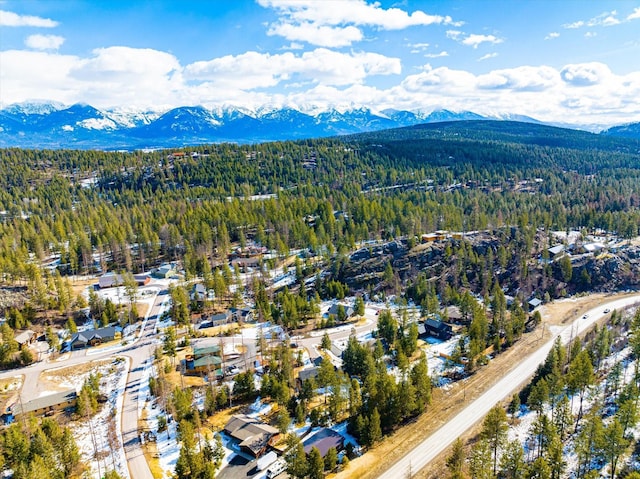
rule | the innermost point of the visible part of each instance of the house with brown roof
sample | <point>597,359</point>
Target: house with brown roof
<point>45,404</point>
<point>323,440</point>
<point>252,435</point>
<point>111,280</point>
<point>94,337</point>
<point>24,338</point>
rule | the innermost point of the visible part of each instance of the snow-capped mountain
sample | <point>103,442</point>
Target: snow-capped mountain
<point>51,125</point>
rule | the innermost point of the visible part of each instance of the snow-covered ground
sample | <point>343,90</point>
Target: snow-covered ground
<point>521,428</point>
<point>100,439</point>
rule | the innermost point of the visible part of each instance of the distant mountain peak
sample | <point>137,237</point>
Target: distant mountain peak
<point>40,124</point>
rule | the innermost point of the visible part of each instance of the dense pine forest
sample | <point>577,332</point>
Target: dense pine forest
<point>136,209</point>
<point>360,206</point>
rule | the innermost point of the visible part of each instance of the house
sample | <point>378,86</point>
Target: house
<point>438,329</point>
<point>25,338</point>
<point>111,280</point>
<point>241,315</point>
<point>251,434</point>
<point>452,313</point>
<point>556,251</point>
<point>204,360</point>
<point>45,404</point>
<point>198,293</point>
<point>593,247</point>
<point>214,320</point>
<point>534,303</point>
<point>93,337</point>
<point>333,310</point>
<point>246,264</point>
<point>324,440</point>
<point>165,271</point>
<point>305,374</point>
<point>422,330</point>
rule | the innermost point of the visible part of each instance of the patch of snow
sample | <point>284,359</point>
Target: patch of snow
<point>97,124</point>
<point>111,455</point>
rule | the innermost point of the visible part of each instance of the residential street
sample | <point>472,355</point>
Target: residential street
<point>139,354</point>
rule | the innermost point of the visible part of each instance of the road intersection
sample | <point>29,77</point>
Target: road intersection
<point>142,348</point>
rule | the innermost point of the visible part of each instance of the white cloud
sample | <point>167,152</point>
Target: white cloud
<point>590,34</point>
<point>315,22</point>
<point>634,15</point>
<point>487,56</point>
<point>11,19</point>
<point>574,25</point>
<point>474,40</point>
<point>524,78</point>
<point>418,46</point>
<point>262,70</point>
<point>552,35</point>
<point>315,34</point>
<point>585,74</point>
<point>113,76</point>
<point>443,77</point>
<point>294,46</point>
<point>588,92</point>
<point>605,19</point>
<point>44,42</point>
<point>22,76</point>
<point>119,76</point>
<point>436,55</point>
<point>453,34</point>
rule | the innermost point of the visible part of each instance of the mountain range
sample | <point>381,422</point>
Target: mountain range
<point>52,125</point>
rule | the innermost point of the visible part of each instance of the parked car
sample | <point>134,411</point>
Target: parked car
<point>276,469</point>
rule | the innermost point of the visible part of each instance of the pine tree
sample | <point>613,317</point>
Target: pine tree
<point>614,445</point>
<point>480,460</point>
<point>455,461</point>
<point>331,459</point>
<point>296,459</point>
<point>315,464</point>
<point>494,431</point>
<point>512,463</point>
<point>375,431</point>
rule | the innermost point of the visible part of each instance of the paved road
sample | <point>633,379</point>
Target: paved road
<point>138,351</point>
<point>140,354</point>
<point>432,446</point>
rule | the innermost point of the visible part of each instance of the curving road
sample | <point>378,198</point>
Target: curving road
<point>432,446</point>
<point>139,351</point>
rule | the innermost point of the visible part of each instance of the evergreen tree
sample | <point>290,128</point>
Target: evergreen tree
<point>480,460</point>
<point>315,464</point>
<point>297,465</point>
<point>512,462</point>
<point>455,461</point>
<point>494,432</point>
<point>374,434</point>
<point>331,459</point>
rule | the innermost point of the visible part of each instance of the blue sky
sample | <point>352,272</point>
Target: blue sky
<point>571,61</point>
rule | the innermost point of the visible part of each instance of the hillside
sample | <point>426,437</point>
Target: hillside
<point>505,132</point>
<point>630,130</point>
